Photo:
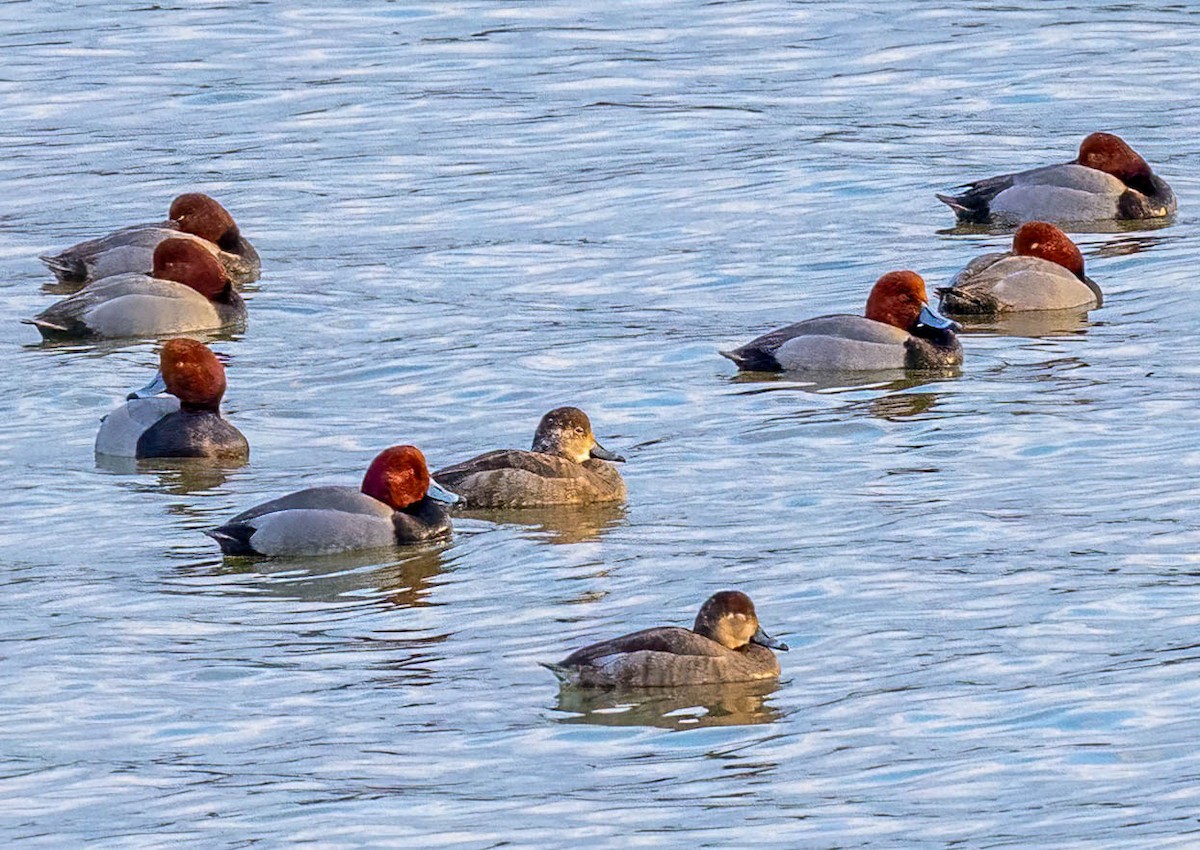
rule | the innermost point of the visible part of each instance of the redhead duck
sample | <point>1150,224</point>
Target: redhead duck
<point>187,423</point>
<point>565,467</point>
<point>726,644</point>
<point>194,216</point>
<point>189,291</point>
<point>398,503</point>
<point>899,331</point>
<point>1044,271</point>
<point>1108,180</point>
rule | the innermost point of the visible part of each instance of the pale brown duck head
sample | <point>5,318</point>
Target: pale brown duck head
<point>728,618</point>
<point>567,432</point>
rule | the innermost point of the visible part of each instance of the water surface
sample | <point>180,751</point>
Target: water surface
<point>470,214</point>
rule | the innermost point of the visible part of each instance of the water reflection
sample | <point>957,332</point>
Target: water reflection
<point>177,476</point>
<point>1106,226</point>
<point>70,287</point>
<point>901,406</point>
<point>1130,245</point>
<point>103,346</point>
<point>1033,324</point>
<point>692,707</point>
<point>836,382</point>
<point>558,524</point>
<point>402,581</point>
<point>62,287</point>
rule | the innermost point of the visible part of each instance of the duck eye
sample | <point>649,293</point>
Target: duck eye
<point>578,429</point>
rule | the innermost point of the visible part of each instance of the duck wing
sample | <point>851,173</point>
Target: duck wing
<point>672,640</point>
<point>974,205</point>
<point>331,498</point>
<point>758,355</point>
<point>73,264</point>
<point>537,463</point>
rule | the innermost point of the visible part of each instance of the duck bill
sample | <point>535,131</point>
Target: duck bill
<point>764,639</point>
<point>598,451</point>
<point>440,494</point>
<point>931,318</point>
<point>155,387</point>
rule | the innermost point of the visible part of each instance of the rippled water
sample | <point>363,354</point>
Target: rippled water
<point>471,213</point>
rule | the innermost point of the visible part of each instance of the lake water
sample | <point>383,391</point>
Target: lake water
<point>470,213</point>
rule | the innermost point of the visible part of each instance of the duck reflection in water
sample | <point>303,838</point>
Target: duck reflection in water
<point>368,577</point>
<point>564,524</point>
<point>684,707</point>
<point>177,476</point>
<point>835,382</point>
<point>1033,325</point>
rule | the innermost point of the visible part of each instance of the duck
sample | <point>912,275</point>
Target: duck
<point>566,466</point>
<point>1108,180</point>
<point>193,215</point>
<point>186,423</point>
<point>726,644</point>
<point>188,291</point>
<point>1043,271</point>
<point>898,331</point>
<point>398,503</point>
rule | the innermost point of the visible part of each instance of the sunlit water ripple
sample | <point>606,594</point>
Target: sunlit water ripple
<point>469,214</point>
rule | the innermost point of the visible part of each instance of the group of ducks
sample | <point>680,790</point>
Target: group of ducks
<point>1043,273</point>
<point>181,276</point>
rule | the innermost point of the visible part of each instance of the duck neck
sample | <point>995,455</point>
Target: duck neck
<point>207,407</point>
<point>425,509</point>
<point>941,337</point>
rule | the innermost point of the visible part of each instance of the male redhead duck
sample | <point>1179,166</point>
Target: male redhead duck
<point>398,503</point>
<point>899,331</point>
<point>193,216</point>
<point>725,645</point>
<point>1108,180</point>
<point>1044,271</point>
<point>565,467</point>
<point>189,291</point>
<point>186,423</point>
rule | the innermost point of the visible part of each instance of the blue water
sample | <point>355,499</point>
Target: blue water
<point>471,214</point>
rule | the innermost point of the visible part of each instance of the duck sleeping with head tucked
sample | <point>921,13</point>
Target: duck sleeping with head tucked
<point>1043,271</point>
<point>566,466</point>
<point>188,291</point>
<point>185,423</point>
<point>726,644</point>
<point>193,216</point>
<point>1107,181</point>
<point>899,331</point>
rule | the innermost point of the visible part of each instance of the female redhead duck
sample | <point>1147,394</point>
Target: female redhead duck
<point>187,423</point>
<point>725,645</point>
<point>899,331</point>
<point>189,291</point>
<point>1108,180</point>
<point>1044,271</point>
<point>193,216</point>
<point>565,467</point>
<point>398,503</point>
